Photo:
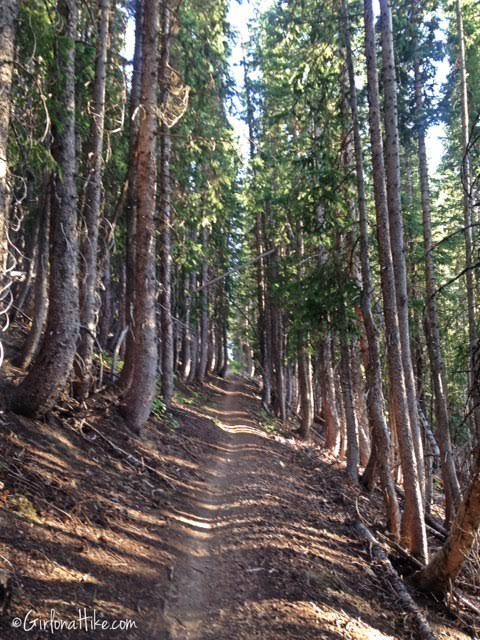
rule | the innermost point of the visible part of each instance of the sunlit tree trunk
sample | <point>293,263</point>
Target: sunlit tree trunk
<point>413,526</point>
<point>126,376</point>
<point>445,565</point>
<point>375,400</point>
<point>329,402</point>
<point>139,397</point>
<point>8,16</point>
<point>397,241</point>
<point>306,392</point>
<point>263,322</point>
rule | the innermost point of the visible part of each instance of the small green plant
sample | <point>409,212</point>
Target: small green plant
<point>158,408</point>
<point>162,414</point>
<point>268,422</point>
<point>24,507</point>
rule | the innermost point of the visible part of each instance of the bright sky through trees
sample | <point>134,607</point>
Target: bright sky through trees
<point>240,15</point>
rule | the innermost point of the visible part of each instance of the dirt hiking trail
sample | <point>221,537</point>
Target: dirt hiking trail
<point>215,524</point>
<point>262,549</point>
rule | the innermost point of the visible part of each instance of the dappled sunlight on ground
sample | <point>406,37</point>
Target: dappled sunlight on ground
<point>213,530</point>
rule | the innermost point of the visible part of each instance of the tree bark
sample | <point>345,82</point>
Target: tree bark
<point>445,565</point>
<point>375,401</point>
<point>413,526</point>
<point>306,393</point>
<point>449,474</point>
<point>396,227</point>
<point>329,403</point>
<point>263,322</point>
<point>8,17</point>
<point>139,397</point>
<point>353,453</point>
<point>468,219</point>
<point>32,343</point>
<point>93,204</point>
<point>166,219</point>
<point>126,375</point>
<point>187,363</point>
<point>204,318</point>
<point>49,373</point>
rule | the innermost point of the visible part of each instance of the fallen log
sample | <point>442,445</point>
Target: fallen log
<point>396,583</point>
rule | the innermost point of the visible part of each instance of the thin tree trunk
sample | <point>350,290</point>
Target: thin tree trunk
<point>166,220</point>
<point>396,230</point>
<point>261,264</point>
<point>449,474</point>
<point>305,389</point>
<point>187,335</point>
<point>353,453</point>
<point>139,397</point>
<point>413,526</point>
<point>93,203</point>
<point>194,350</point>
<point>126,375</point>
<point>375,400</point>
<point>107,307</point>
<point>8,16</point>
<point>358,388</point>
<point>204,319</point>
<point>32,343</point>
<point>329,403</point>
<point>468,219</point>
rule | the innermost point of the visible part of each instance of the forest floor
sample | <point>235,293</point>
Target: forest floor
<point>215,525</point>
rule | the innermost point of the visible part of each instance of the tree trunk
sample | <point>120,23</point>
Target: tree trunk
<point>204,319</point>
<point>263,322</point>
<point>107,307</point>
<point>50,371</point>
<point>468,219</point>
<point>396,230</point>
<point>8,16</point>
<point>93,203</point>
<point>353,454</point>
<point>413,529</point>
<point>375,400</point>
<point>194,351</point>
<point>30,348</point>
<point>449,473</point>
<point>166,219</point>
<point>445,565</point>
<point>126,376</point>
<point>329,403</point>
<point>305,389</point>
<point>358,389</point>
<point>139,397</point>
<point>187,364</point>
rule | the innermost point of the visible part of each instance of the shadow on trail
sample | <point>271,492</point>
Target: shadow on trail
<point>261,551</point>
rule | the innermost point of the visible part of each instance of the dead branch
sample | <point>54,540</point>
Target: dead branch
<point>398,587</point>
<point>129,456</point>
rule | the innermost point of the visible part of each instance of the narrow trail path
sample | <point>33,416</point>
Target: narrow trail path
<point>261,549</point>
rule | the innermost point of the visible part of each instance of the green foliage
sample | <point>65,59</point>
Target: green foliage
<point>160,411</point>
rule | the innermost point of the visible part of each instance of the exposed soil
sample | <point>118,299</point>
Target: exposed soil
<point>215,530</point>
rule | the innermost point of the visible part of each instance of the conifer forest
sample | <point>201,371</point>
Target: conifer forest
<point>240,319</point>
